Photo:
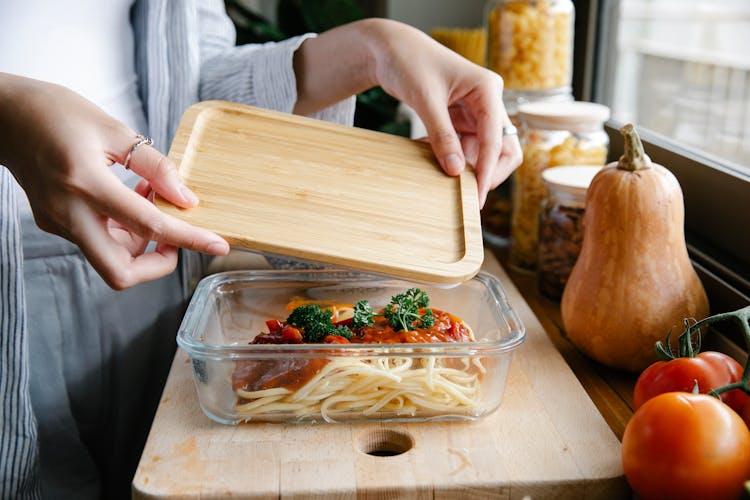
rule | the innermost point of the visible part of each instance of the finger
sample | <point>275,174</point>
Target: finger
<point>470,146</point>
<point>143,188</point>
<point>131,210</point>
<point>113,262</point>
<point>462,119</point>
<point>486,165</point>
<point>508,162</point>
<point>162,175</point>
<point>444,140</point>
<point>490,144</point>
<point>134,244</point>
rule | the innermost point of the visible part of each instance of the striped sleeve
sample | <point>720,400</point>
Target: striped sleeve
<point>18,447</point>
<point>256,74</point>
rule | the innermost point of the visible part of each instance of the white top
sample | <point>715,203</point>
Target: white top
<point>60,42</point>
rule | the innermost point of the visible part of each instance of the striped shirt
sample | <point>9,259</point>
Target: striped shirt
<point>185,53</point>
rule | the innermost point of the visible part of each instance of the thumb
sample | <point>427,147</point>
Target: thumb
<point>444,140</point>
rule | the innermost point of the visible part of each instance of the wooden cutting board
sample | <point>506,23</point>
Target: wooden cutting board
<point>283,184</point>
<point>547,440</point>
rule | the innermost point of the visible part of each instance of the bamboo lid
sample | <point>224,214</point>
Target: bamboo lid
<point>342,196</point>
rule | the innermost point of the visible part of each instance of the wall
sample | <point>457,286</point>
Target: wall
<point>423,14</point>
<point>427,14</point>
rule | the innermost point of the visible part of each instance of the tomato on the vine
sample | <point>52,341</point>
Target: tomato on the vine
<point>684,445</point>
<point>709,370</point>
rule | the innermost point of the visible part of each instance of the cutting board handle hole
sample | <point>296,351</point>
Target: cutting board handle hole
<point>385,443</point>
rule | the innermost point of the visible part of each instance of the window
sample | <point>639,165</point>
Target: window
<point>680,71</point>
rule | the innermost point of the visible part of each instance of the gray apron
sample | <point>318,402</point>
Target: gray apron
<point>98,361</point>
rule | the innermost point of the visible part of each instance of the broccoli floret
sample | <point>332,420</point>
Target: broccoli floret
<point>316,323</point>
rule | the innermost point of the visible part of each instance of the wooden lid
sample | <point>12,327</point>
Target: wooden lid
<point>343,196</point>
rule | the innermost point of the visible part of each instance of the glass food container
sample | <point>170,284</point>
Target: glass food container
<point>561,225</point>
<point>530,44</point>
<point>343,382</point>
<point>551,134</point>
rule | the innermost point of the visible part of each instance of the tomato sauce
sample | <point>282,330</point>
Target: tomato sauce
<point>447,328</point>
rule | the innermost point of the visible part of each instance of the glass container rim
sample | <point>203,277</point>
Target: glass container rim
<point>187,340</point>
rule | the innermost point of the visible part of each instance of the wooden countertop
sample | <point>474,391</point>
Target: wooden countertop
<point>610,390</point>
<point>551,437</point>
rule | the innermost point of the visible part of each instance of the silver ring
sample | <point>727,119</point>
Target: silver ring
<point>140,141</point>
<point>510,130</point>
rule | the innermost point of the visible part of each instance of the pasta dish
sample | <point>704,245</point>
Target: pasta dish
<point>342,384</point>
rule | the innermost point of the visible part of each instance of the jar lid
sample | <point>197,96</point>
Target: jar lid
<point>573,179</point>
<point>575,116</point>
<point>515,98</point>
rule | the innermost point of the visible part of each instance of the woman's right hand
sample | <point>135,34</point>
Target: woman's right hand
<point>59,147</point>
<point>459,102</point>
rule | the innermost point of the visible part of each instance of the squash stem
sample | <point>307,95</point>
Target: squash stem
<point>634,157</point>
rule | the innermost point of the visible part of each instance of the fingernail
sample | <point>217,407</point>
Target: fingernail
<point>188,195</point>
<point>217,248</point>
<point>453,163</point>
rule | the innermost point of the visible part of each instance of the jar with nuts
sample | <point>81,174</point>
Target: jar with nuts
<point>552,134</point>
<point>530,44</point>
<point>561,225</point>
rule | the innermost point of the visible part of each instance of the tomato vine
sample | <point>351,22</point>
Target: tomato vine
<point>689,344</point>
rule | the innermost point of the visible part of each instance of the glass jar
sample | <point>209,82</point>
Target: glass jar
<point>552,134</point>
<point>469,42</point>
<point>561,225</point>
<point>530,44</point>
<point>497,210</point>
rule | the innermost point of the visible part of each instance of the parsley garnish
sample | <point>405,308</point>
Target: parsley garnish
<point>363,314</point>
<point>403,311</point>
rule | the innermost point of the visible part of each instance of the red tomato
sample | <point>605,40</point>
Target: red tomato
<point>709,369</point>
<point>335,339</point>
<point>291,334</point>
<point>683,445</point>
<point>274,325</point>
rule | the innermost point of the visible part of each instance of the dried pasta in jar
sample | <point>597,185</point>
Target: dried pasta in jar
<point>530,43</point>
<point>470,43</point>
<point>567,133</point>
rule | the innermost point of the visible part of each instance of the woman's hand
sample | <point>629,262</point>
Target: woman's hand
<point>459,102</point>
<point>59,147</point>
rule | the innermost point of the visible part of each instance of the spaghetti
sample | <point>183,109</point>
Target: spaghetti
<point>398,386</point>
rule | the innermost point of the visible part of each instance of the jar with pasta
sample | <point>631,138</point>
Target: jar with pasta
<point>552,134</point>
<point>530,44</point>
<point>497,209</point>
<point>561,225</point>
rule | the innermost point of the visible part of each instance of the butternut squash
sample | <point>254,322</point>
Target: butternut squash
<point>633,281</point>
